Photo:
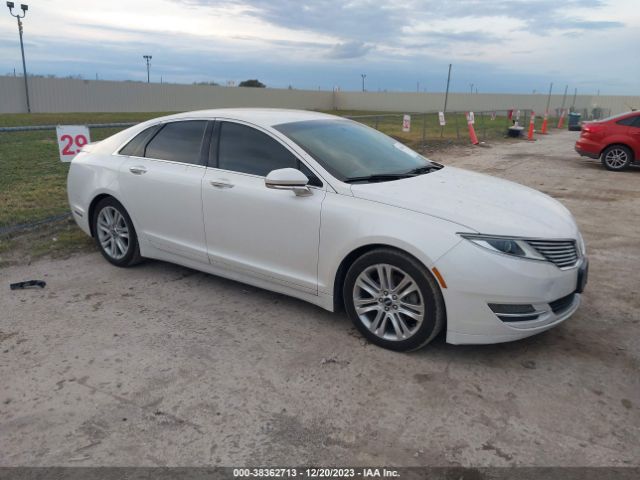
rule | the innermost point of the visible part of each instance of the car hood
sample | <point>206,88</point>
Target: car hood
<point>477,202</point>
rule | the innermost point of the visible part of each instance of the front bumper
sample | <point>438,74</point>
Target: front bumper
<point>476,278</point>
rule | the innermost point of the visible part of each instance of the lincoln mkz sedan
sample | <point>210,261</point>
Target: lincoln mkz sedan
<point>338,214</point>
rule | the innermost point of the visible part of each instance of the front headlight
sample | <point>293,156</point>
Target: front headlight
<point>509,246</point>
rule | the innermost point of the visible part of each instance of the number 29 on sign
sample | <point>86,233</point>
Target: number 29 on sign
<point>71,139</point>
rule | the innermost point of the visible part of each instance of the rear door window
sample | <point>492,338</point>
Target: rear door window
<point>626,121</point>
<point>178,142</point>
<point>135,147</point>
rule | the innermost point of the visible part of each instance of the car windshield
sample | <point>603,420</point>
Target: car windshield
<point>350,150</point>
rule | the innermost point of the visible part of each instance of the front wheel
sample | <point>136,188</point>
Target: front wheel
<point>114,233</point>
<point>616,158</point>
<point>393,300</point>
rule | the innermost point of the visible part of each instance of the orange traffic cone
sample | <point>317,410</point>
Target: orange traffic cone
<point>561,120</point>
<point>531,126</point>
<point>472,132</point>
<point>544,123</point>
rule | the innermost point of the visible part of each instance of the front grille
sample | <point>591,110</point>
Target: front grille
<point>563,253</point>
<point>562,303</point>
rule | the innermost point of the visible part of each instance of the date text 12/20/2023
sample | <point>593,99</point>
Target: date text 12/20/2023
<point>315,473</point>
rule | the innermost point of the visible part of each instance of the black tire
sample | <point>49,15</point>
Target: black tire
<point>434,309</point>
<point>616,158</point>
<point>132,251</point>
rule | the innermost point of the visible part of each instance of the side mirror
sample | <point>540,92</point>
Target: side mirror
<point>288,179</point>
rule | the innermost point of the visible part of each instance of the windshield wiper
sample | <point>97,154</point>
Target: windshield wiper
<point>379,177</point>
<point>385,177</point>
<point>426,169</point>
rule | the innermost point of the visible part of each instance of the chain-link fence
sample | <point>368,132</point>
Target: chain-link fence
<point>595,113</point>
<point>425,130</point>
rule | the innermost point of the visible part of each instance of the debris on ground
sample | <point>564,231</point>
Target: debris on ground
<point>28,284</point>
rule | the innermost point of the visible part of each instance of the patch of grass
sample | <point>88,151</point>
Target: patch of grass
<point>32,177</point>
<point>57,239</point>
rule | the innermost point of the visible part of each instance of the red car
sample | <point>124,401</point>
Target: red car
<point>615,140</point>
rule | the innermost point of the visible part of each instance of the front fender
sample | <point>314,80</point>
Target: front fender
<point>425,237</point>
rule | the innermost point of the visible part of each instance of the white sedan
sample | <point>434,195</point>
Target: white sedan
<point>338,214</point>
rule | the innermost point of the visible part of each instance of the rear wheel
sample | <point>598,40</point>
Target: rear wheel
<point>114,233</point>
<point>393,300</point>
<point>616,157</point>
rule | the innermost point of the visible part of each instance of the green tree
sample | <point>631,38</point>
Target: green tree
<point>252,83</point>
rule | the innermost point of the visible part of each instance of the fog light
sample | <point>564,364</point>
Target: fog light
<point>514,312</point>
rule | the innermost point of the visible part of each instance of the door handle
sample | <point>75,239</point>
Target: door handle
<point>221,184</point>
<point>137,170</point>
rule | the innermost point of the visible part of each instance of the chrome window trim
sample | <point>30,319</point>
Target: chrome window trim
<point>164,161</point>
<point>259,177</point>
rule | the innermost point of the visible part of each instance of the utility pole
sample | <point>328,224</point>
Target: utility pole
<point>363,75</point>
<point>446,93</point>
<point>446,97</point>
<point>148,59</point>
<point>19,17</point>
<point>546,111</point>
<point>564,98</point>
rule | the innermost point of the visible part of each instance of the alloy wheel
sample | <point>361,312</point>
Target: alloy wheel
<point>388,302</point>
<point>113,232</point>
<point>616,158</point>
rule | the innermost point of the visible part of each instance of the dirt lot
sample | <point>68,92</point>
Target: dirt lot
<point>161,365</point>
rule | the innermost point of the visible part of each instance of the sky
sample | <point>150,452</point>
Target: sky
<point>511,46</point>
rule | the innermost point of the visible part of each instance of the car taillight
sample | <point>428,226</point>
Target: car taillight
<point>593,131</point>
<point>592,128</point>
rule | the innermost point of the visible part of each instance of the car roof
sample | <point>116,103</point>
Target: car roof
<point>264,117</point>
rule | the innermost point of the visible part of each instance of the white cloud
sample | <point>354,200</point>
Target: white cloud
<point>287,39</point>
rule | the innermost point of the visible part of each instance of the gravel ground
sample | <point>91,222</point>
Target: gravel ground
<point>162,365</point>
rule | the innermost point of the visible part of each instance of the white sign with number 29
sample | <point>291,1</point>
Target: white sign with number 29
<point>406,123</point>
<point>71,139</point>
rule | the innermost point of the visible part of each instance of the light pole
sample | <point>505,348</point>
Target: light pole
<point>19,17</point>
<point>148,59</point>
<point>363,75</point>
<point>446,97</point>
<point>471,85</point>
